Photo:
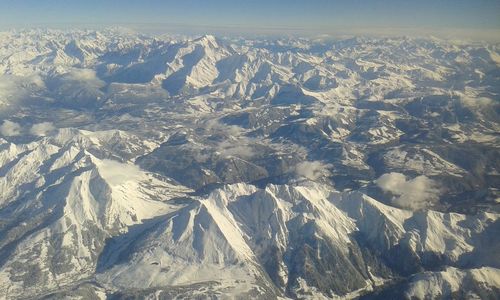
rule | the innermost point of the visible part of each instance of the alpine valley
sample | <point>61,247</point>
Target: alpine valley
<point>140,166</point>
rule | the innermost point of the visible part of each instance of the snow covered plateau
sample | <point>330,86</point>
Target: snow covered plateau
<point>135,166</point>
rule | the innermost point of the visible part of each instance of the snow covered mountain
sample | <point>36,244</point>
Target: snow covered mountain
<point>136,166</point>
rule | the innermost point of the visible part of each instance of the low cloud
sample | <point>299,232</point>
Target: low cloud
<point>235,148</point>
<point>78,87</point>
<point>217,127</point>
<point>9,128</point>
<point>479,102</point>
<point>42,129</point>
<point>235,143</point>
<point>417,193</point>
<point>117,173</point>
<point>312,169</point>
<point>14,89</point>
<point>86,76</point>
<point>8,86</point>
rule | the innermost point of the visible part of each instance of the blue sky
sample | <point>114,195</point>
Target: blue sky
<point>307,14</point>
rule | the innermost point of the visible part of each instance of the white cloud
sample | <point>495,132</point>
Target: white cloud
<point>9,128</point>
<point>7,86</point>
<point>117,173</point>
<point>86,76</point>
<point>312,169</point>
<point>41,129</point>
<point>216,126</point>
<point>479,102</point>
<point>417,193</point>
<point>79,87</point>
<point>237,145</point>
<point>236,148</point>
<point>13,89</point>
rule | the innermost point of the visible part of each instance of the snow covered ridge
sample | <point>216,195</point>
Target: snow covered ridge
<point>163,167</point>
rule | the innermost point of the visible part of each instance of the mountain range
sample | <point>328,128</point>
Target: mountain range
<point>135,166</point>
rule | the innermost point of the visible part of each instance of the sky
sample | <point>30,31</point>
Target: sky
<point>312,15</point>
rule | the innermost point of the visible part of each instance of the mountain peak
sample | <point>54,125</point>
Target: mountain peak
<point>207,40</point>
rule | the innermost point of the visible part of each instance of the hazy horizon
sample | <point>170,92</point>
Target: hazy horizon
<point>446,18</point>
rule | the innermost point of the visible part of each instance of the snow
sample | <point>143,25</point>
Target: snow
<point>79,108</point>
<point>451,280</point>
